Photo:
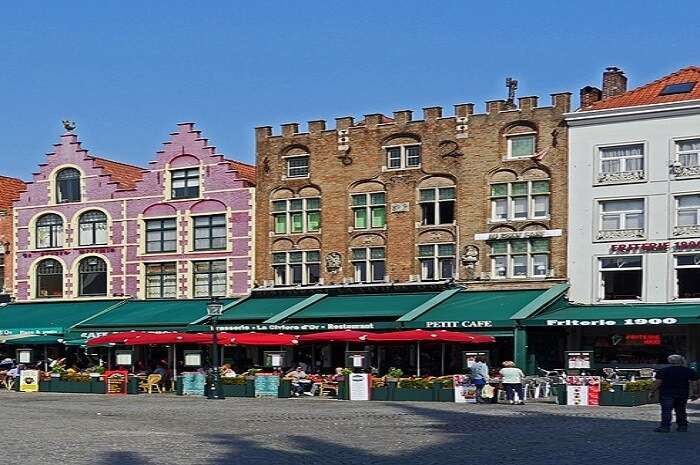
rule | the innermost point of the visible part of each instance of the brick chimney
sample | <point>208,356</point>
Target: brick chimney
<point>589,95</point>
<point>614,82</point>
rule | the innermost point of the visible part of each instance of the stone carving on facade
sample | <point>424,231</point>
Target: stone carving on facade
<point>622,176</point>
<point>462,127</point>
<point>68,125</point>
<point>266,165</point>
<point>402,179</point>
<point>681,171</point>
<point>621,234</point>
<point>450,148</point>
<point>400,207</point>
<point>689,230</point>
<point>470,257</point>
<point>333,262</point>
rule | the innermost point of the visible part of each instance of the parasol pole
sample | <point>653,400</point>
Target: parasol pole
<point>174,362</point>
<point>418,358</point>
<point>442,360</point>
<point>46,358</point>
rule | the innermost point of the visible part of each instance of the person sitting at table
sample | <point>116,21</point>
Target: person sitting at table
<point>338,374</point>
<point>227,371</point>
<point>298,375</point>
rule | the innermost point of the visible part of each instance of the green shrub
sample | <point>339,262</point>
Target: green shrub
<point>233,380</point>
<point>636,386</point>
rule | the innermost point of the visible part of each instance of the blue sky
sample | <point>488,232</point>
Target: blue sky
<point>128,71</point>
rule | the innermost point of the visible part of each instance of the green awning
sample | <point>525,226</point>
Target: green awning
<point>363,307</point>
<point>564,314</point>
<point>48,318</point>
<point>34,340</point>
<point>147,315</point>
<point>476,309</point>
<point>258,309</point>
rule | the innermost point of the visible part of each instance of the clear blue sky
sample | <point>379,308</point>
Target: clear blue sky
<point>128,71</point>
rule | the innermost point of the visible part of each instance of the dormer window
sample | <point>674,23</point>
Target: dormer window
<point>521,145</point>
<point>402,156</point>
<point>68,186</point>
<point>298,167</point>
<point>185,183</point>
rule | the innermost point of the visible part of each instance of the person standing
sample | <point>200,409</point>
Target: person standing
<point>480,376</point>
<point>674,384</point>
<point>512,380</point>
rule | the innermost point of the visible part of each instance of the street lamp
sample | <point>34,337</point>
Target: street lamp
<point>214,311</point>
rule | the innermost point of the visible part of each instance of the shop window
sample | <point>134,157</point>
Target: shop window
<point>68,186</point>
<point>403,156</point>
<point>437,261</point>
<point>688,276</point>
<point>210,232</point>
<point>161,280</point>
<point>521,145</point>
<point>93,228</point>
<point>185,183</point>
<point>621,218</point>
<point>437,205</point>
<point>621,278</point>
<point>368,264</point>
<point>294,216</point>
<point>621,163</point>
<point>369,210</point>
<point>92,277</point>
<point>298,167</point>
<point>520,200</point>
<point>161,235</point>
<point>49,279</point>
<point>49,231</point>
<point>520,258</point>
<point>210,278</point>
<point>297,267</point>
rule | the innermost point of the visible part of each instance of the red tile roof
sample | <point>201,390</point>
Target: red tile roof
<point>648,94</point>
<point>124,175</point>
<point>10,189</point>
<point>245,171</point>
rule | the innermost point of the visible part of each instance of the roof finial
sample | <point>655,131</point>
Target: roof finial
<point>512,86</point>
<point>68,125</point>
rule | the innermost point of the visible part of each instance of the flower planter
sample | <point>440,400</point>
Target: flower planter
<point>285,389</point>
<point>380,393</point>
<point>621,398</point>
<point>413,394</point>
<point>72,387</point>
<point>236,390</point>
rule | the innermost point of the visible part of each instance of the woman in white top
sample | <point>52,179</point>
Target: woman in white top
<point>512,381</point>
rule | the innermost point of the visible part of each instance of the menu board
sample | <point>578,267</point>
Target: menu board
<point>116,382</point>
<point>465,392</point>
<point>359,386</point>
<point>193,383</point>
<point>267,385</point>
<point>581,360</point>
<point>583,390</point>
<point>29,381</point>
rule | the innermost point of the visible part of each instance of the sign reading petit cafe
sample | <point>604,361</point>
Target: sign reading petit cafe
<point>636,247</point>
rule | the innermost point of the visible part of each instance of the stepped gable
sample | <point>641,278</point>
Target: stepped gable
<point>123,174</point>
<point>10,189</point>
<point>648,94</point>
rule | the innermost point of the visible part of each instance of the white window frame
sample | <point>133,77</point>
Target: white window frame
<point>509,145</point>
<point>171,174</point>
<point>288,213</point>
<point>509,256</point>
<point>510,201</point>
<point>677,201</point>
<point>622,214</point>
<point>289,168</point>
<point>305,267</point>
<point>679,153</point>
<point>436,260</point>
<point>624,161</point>
<point>436,204</point>
<point>368,207</point>
<point>601,281</point>
<point>369,264</point>
<point>404,156</point>
<point>676,267</point>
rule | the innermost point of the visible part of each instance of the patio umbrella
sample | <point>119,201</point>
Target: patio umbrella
<point>260,339</point>
<point>347,335</point>
<point>169,338</point>
<point>419,335</point>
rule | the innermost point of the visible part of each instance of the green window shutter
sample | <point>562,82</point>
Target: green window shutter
<point>360,218</point>
<point>297,222</point>
<point>378,217</point>
<point>280,224</point>
<point>313,221</point>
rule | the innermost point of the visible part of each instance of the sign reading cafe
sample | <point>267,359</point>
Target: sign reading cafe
<point>459,324</point>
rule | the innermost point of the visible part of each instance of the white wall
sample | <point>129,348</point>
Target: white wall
<point>657,127</point>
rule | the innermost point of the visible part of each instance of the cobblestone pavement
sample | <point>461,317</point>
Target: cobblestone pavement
<point>68,429</point>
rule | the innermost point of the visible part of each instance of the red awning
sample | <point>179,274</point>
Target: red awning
<point>145,338</point>
<point>259,339</point>
<point>347,335</point>
<point>442,335</point>
<point>116,338</point>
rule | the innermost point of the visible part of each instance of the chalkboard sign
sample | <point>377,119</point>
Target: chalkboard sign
<point>267,385</point>
<point>116,381</point>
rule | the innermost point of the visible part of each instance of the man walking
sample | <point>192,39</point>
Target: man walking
<point>674,384</point>
<point>480,376</point>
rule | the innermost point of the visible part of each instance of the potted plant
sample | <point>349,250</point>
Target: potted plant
<point>393,375</point>
<point>250,374</point>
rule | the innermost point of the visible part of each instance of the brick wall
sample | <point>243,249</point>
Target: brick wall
<point>10,189</point>
<point>465,149</point>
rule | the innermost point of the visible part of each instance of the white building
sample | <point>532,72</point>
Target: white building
<point>634,191</point>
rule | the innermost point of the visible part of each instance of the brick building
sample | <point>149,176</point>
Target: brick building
<point>479,198</point>
<point>92,228</point>
<point>10,189</point>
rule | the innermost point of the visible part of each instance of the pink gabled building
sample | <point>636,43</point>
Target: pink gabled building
<point>92,228</point>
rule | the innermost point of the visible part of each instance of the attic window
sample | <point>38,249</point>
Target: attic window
<point>680,88</point>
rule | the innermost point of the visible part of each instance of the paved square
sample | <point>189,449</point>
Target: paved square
<point>68,429</point>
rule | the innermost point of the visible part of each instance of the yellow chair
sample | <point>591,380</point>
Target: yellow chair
<point>152,381</point>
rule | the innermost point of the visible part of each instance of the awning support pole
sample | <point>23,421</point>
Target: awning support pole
<point>46,358</point>
<point>442,360</point>
<point>418,358</point>
<point>520,348</point>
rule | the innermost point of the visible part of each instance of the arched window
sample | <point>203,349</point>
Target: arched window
<point>93,277</point>
<point>49,279</point>
<point>68,186</point>
<point>49,231</point>
<point>93,228</point>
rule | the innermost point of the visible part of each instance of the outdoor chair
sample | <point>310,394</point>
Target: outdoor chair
<point>326,387</point>
<point>7,382</point>
<point>151,382</point>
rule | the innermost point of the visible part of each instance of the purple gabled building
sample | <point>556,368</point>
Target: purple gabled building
<point>92,228</point>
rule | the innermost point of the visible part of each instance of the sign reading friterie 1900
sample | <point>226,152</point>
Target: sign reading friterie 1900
<point>605,322</point>
<point>637,247</point>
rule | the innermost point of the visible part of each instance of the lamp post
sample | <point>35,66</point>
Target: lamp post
<point>214,311</point>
